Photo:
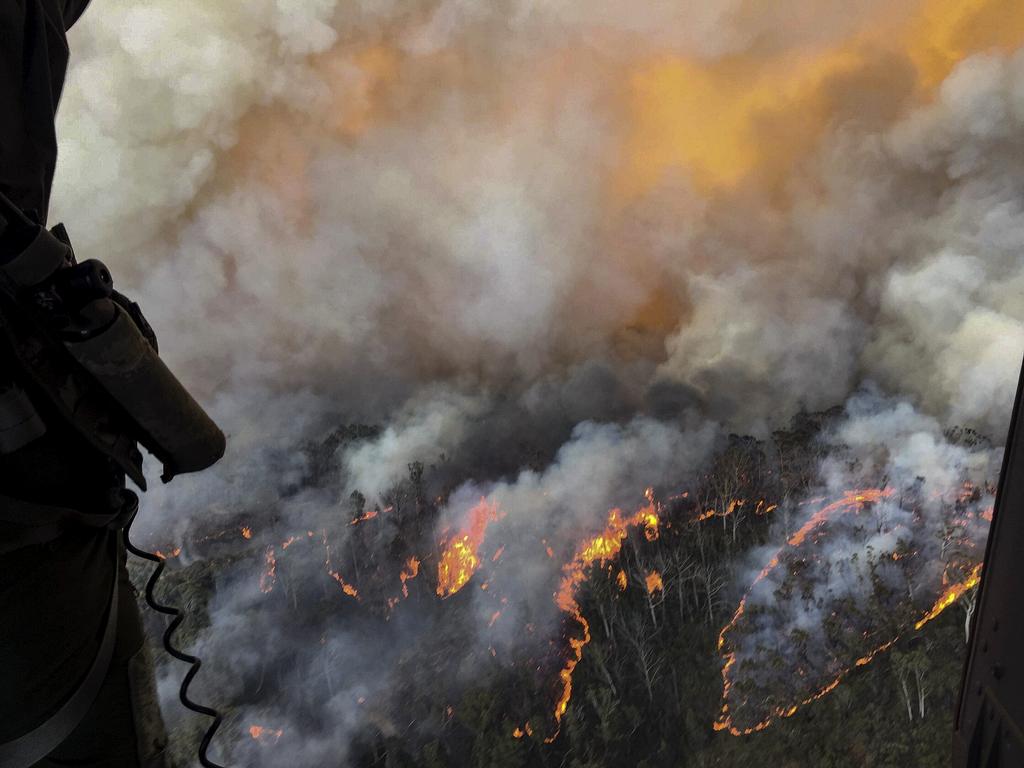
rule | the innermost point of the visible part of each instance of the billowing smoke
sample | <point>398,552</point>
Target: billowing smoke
<point>416,254</point>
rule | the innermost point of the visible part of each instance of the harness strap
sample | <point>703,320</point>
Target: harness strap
<point>31,523</point>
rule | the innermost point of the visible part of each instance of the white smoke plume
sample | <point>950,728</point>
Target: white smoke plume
<point>552,252</point>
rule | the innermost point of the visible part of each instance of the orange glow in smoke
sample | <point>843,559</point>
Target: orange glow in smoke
<point>725,120</point>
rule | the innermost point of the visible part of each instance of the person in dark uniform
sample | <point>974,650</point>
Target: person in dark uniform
<point>77,685</point>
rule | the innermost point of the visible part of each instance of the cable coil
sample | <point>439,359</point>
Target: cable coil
<point>177,618</point>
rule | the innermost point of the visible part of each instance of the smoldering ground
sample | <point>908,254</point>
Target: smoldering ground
<point>860,572</point>
<point>555,253</point>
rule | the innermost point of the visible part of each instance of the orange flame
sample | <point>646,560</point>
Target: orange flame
<point>265,735</point>
<point>729,509</point>
<point>368,515</point>
<point>347,588</point>
<point>599,549</point>
<point>459,560</point>
<point>762,508</point>
<point>654,583</point>
<point>526,730</point>
<point>411,571</point>
<point>951,595</point>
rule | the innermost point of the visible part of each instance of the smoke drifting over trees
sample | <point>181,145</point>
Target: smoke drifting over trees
<point>419,254</point>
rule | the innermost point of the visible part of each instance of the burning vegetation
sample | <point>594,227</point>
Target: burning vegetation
<point>656,571</point>
<point>894,584</point>
<point>595,552</point>
<point>460,554</point>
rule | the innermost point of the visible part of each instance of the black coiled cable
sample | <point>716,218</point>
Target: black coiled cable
<point>195,663</point>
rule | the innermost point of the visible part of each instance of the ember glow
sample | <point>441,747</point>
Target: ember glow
<point>269,576</point>
<point>346,587</point>
<point>265,735</point>
<point>526,730</point>
<point>460,555</point>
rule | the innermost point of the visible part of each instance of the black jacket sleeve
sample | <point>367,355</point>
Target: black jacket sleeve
<point>33,61</point>
<point>73,9</point>
<point>14,175</point>
<point>12,41</point>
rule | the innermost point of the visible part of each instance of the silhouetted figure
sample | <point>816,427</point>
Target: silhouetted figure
<point>81,386</point>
